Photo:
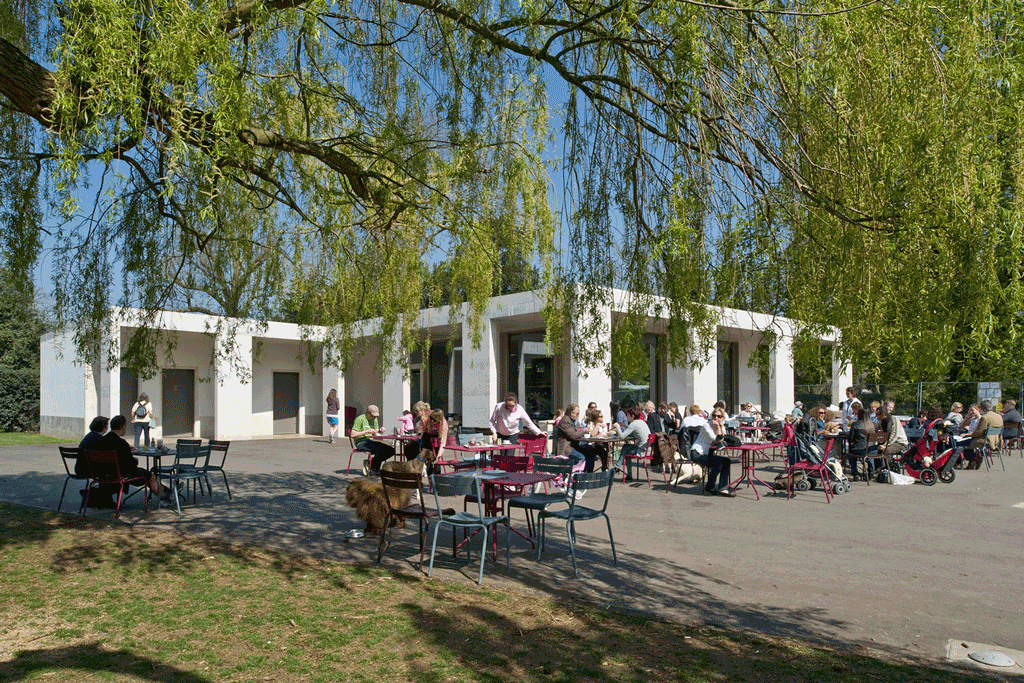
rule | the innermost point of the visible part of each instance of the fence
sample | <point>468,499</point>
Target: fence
<point>911,398</point>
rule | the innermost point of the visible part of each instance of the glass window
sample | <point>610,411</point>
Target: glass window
<point>531,373</point>
<point>644,384</point>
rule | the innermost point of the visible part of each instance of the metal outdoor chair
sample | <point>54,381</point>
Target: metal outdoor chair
<point>989,452</point>
<point>1012,438</point>
<point>104,470</point>
<point>408,481</point>
<point>642,456</point>
<point>534,444</point>
<point>220,448</point>
<point>69,456</point>
<point>539,501</point>
<point>581,481</point>
<point>449,485</point>
<point>189,468</point>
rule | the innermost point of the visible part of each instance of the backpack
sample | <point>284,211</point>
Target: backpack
<point>141,411</point>
<point>664,451</point>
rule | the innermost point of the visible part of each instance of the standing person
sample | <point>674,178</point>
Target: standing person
<point>848,415</point>
<point>364,428</point>
<point>333,406</point>
<point>860,429</point>
<point>505,420</point>
<point>798,410</point>
<point>142,417</point>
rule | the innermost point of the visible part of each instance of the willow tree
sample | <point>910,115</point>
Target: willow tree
<point>782,156</point>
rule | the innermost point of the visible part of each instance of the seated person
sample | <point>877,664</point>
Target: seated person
<point>506,418</point>
<point>897,441</point>
<point>1011,416</point>
<point>364,427</point>
<point>979,437</point>
<point>918,422</point>
<point>636,435</point>
<point>97,428</point>
<point>703,451</point>
<point>128,463</point>
<point>568,439</point>
<point>654,422</point>
<point>434,436</point>
<point>596,426</point>
<point>955,415</point>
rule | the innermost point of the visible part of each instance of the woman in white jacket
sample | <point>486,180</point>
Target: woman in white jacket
<point>142,418</point>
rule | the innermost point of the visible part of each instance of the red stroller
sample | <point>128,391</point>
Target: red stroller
<point>921,462</point>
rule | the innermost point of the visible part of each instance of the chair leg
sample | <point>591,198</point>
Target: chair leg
<point>433,549</point>
<point>483,557</point>
<point>383,544</point>
<point>615,559</point>
<point>540,535</point>
<point>225,475</point>
<point>62,492</point>
<point>572,546</point>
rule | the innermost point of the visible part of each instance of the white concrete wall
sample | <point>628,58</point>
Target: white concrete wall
<point>592,383</point>
<point>282,355</point>
<point>780,384</point>
<point>63,386</point>
<point>232,391</point>
<point>332,378</point>
<point>363,385</point>
<point>749,377</point>
<point>480,375</point>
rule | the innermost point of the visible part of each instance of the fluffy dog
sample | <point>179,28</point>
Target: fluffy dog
<point>367,497</point>
<point>686,472</point>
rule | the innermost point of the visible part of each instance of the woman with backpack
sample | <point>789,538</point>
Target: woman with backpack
<point>142,418</point>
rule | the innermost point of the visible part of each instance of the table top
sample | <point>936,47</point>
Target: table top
<point>399,437</point>
<point>611,438</point>
<point>763,446</point>
<point>483,448</point>
<point>518,478</point>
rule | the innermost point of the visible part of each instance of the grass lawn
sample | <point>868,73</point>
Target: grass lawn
<point>87,599</point>
<point>27,439</point>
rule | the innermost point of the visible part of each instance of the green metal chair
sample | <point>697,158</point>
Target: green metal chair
<point>581,481</point>
<point>448,485</point>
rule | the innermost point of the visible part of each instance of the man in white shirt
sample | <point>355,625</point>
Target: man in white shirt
<point>848,415</point>
<point>505,420</point>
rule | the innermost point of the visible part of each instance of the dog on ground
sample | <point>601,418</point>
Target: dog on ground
<point>368,499</point>
<point>686,472</point>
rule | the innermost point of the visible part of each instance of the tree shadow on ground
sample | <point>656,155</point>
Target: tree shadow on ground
<point>589,646</point>
<point>93,659</point>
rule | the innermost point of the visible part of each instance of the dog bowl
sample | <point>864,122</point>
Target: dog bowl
<point>354,533</point>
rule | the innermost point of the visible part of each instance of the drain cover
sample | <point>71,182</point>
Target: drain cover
<point>992,658</point>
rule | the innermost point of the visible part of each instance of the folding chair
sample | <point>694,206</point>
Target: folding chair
<point>104,470</point>
<point>642,456</point>
<point>410,481</point>
<point>69,456</point>
<point>581,481</point>
<point>988,450</point>
<point>539,501</point>
<point>448,485</point>
<point>220,448</point>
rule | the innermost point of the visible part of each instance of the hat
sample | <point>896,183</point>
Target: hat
<point>373,410</point>
<point>799,404</point>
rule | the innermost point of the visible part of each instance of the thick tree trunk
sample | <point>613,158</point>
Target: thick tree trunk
<point>28,85</point>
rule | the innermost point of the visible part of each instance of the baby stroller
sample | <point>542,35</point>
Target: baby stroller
<point>820,470</point>
<point>921,462</point>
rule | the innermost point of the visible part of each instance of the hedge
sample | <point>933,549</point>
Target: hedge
<point>19,400</point>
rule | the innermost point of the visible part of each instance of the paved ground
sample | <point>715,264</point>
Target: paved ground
<point>897,568</point>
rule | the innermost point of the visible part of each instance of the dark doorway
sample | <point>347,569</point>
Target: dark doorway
<point>177,407</point>
<point>129,392</point>
<point>286,403</point>
<point>728,374</point>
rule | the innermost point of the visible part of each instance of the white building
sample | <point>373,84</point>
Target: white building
<point>274,381</point>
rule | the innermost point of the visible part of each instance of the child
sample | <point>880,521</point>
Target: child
<point>405,422</point>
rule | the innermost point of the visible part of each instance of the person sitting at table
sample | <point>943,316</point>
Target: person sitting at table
<point>616,412</point>
<point>126,461</point>
<point>364,427</point>
<point>920,421</point>
<point>654,422</point>
<point>569,439</point>
<point>635,435</point>
<point>668,418</point>
<point>986,417</point>
<point>597,427</point>
<point>506,417</point>
<point>434,436</point>
<point>897,441</point>
<point>675,416</point>
<point>1011,416</point>
<point>955,415</point>
<point>97,428</point>
<point>703,451</point>
<point>860,429</point>
<point>747,410</point>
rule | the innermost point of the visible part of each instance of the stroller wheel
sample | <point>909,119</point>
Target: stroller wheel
<point>838,489</point>
<point>812,483</point>
<point>802,485</point>
<point>947,476</point>
<point>928,477</point>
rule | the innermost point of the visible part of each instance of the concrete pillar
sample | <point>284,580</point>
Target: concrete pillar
<point>700,383</point>
<point>110,378</point>
<point>780,379</point>
<point>842,377</point>
<point>592,383</point>
<point>394,393</point>
<point>232,385</point>
<point>480,375</point>
<point>678,385</point>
